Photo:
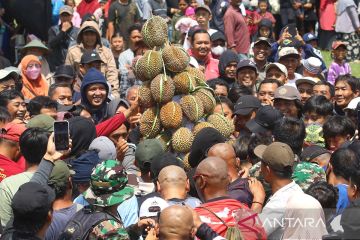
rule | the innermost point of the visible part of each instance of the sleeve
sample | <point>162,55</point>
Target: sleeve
<point>204,232</point>
<point>108,126</point>
<point>274,49</point>
<point>112,73</point>
<point>55,40</point>
<point>128,211</point>
<point>353,16</point>
<point>5,205</point>
<point>122,63</point>
<point>43,172</point>
<point>69,60</point>
<point>269,217</point>
<point>229,30</point>
<point>331,75</point>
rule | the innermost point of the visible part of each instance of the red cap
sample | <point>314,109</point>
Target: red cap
<point>12,131</point>
<point>337,44</point>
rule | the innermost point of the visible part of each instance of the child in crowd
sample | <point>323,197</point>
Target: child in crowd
<point>263,12</point>
<point>176,34</point>
<point>339,66</point>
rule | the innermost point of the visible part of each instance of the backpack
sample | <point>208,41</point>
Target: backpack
<point>82,223</point>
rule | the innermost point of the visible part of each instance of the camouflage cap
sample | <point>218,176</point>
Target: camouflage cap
<point>109,229</point>
<point>306,173</point>
<point>108,185</point>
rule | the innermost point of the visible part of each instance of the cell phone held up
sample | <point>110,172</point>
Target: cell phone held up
<point>61,135</point>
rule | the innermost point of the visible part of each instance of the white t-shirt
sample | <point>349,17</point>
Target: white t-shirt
<point>291,82</point>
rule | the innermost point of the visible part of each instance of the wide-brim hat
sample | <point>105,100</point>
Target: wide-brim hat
<point>35,44</point>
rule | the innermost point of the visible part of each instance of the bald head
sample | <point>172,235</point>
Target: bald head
<point>214,167</point>
<point>172,225</point>
<point>224,151</point>
<point>173,182</point>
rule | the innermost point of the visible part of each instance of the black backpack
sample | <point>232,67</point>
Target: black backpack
<point>82,223</point>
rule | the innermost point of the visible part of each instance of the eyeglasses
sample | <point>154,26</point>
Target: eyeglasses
<point>199,175</point>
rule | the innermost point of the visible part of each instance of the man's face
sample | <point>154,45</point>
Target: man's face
<point>224,108</point>
<point>323,90</point>
<point>117,43</point>
<point>333,143</point>
<point>96,94</point>
<point>65,17</point>
<point>343,94</point>
<point>275,73</point>
<point>131,97</point>
<point>246,76</point>
<point>49,111</point>
<point>89,39</point>
<point>286,107</point>
<point>306,91</point>
<point>241,120</point>
<point>221,90</point>
<point>203,17</point>
<point>314,118</point>
<point>230,70</point>
<point>17,108</point>
<point>266,93</point>
<point>118,134</point>
<point>7,85</point>
<point>63,95</point>
<point>94,64</point>
<point>135,36</point>
<point>261,51</point>
<point>291,63</point>
<point>264,31</point>
<point>201,46</point>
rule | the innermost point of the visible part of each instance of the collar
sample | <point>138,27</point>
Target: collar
<point>283,189</point>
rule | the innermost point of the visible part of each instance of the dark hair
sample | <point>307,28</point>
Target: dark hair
<point>7,95</point>
<point>343,162</point>
<point>117,34</point>
<point>355,174</point>
<point>225,100</point>
<point>37,103</point>
<point>241,147</point>
<point>352,81</point>
<point>133,28</point>
<point>290,131</point>
<point>4,115</point>
<point>33,143</point>
<point>270,80</point>
<point>238,91</point>
<point>256,140</point>
<point>325,193</point>
<point>197,31</point>
<point>319,105</point>
<point>54,86</point>
<point>338,126</point>
<point>78,110</point>
<point>217,81</point>
<point>331,87</point>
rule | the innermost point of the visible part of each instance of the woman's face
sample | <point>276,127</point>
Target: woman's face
<point>117,44</point>
<point>343,94</point>
<point>33,70</point>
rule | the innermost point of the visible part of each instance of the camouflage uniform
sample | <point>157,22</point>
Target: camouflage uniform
<point>108,187</point>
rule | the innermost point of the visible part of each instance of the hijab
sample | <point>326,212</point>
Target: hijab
<point>32,88</point>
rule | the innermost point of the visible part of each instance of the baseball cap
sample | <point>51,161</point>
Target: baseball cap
<point>12,131</point>
<point>147,151</point>
<point>9,71</point>
<point>32,202</point>
<point>309,37</point>
<point>89,57</point>
<point>217,36</point>
<point>288,51</point>
<point>152,206</point>
<point>279,66</point>
<point>66,9</point>
<point>311,152</point>
<point>246,104</point>
<point>265,119</point>
<point>104,147</point>
<point>309,80</point>
<point>164,160</point>
<point>353,104</point>
<point>277,155</point>
<point>42,121</point>
<point>108,185</point>
<point>264,40</point>
<point>205,7</point>
<point>59,176</point>
<point>287,92</point>
<point>246,64</point>
<point>312,65</point>
<point>66,71</point>
<point>337,44</point>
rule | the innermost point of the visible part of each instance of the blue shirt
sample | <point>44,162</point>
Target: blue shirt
<point>343,201</point>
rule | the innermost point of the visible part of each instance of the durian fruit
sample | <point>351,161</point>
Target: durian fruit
<point>186,163</point>
<point>175,58</point>
<point>149,65</point>
<point>145,97</point>
<point>184,83</point>
<point>222,124</point>
<point>198,74</point>
<point>164,139</point>
<point>182,140</point>
<point>199,126</point>
<point>192,107</point>
<point>150,123</point>
<point>207,99</point>
<point>171,115</point>
<point>162,88</point>
<point>155,32</point>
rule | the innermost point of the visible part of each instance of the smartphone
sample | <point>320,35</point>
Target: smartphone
<point>292,29</point>
<point>61,135</point>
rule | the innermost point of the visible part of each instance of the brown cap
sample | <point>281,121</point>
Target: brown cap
<point>287,92</point>
<point>277,156</point>
<point>205,7</point>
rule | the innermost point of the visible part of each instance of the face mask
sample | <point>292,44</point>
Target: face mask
<point>33,73</point>
<point>218,50</point>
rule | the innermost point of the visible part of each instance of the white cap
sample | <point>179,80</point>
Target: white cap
<point>353,103</point>
<point>279,66</point>
<point>286,51</point>
<point>9,70</point>
<point>152,206</point>
<point>312,65</point>
<point>308,80</point>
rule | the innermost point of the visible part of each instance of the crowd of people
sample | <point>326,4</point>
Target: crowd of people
<point>290,169</point>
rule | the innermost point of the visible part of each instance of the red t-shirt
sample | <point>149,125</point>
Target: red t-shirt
<point>8,167</point>
<point>249,225</point>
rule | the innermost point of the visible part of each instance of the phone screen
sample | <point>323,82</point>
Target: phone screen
<point>61,135</point>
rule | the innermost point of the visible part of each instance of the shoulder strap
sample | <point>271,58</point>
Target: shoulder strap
<point>210,211</point>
